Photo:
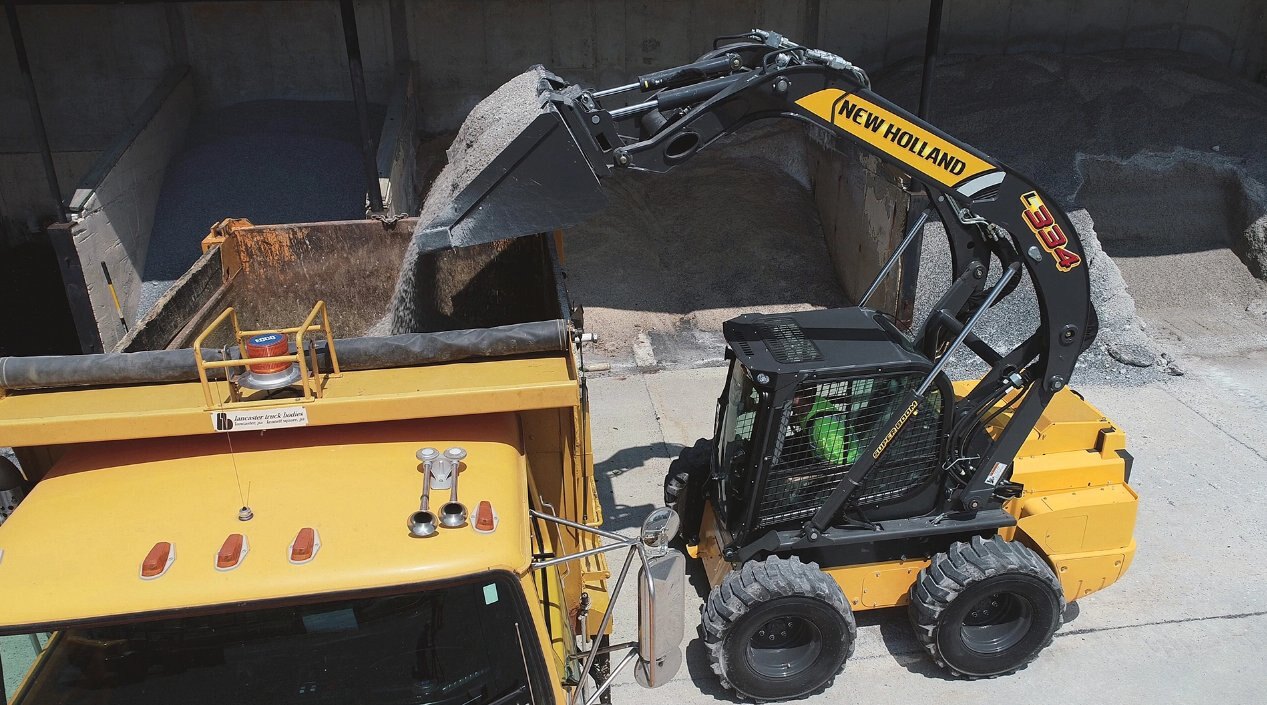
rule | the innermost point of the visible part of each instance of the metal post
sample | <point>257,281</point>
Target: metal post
<point>905,312</point>
<point>369,144</point>
<point>931,40</point>
<point>37,116</point>
<point>908,268</point>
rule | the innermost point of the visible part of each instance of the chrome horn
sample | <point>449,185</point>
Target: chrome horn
<point>422,523</point>
<point>453,513</point>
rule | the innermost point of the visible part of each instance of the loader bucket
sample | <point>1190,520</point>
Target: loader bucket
<point>513,170</point>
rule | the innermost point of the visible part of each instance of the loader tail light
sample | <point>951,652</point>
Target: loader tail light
<point>158,560</point>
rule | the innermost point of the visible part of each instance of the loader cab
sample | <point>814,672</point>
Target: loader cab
<point>806,393</point>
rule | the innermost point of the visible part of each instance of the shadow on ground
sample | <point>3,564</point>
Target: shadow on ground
<point>634,459</point>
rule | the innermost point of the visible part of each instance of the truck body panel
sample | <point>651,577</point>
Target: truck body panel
<point>355,484</point>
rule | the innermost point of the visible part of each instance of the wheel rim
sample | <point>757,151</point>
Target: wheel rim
<point>997,622</point>
<point>784,647</point>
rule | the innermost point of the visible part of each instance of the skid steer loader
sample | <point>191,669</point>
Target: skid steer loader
<point>846,471</point>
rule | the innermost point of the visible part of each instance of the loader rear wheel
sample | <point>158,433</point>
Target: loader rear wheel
<point>684,486</point>
<point>778,629</point>
<point>986,607</point>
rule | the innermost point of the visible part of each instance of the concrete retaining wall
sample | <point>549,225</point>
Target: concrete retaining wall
<point>24,194</point>
<point>109,56</point>
<point>863,207</point>
<point>398,145</point>
<point>113,208</point>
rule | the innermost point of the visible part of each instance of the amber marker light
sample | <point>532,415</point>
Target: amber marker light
<point>305,546</point>
<point>485,518</point>
<point>232,553</point>
<point>158,560</point>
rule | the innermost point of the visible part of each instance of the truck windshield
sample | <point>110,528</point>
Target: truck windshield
<point>735,441</point>
<point>459,644</point>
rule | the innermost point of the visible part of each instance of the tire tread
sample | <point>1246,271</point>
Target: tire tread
<point>756,582</point>
<point>963,565</point>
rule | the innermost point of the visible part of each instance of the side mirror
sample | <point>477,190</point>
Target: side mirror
<point>661,594</point>
<point>659,528</point>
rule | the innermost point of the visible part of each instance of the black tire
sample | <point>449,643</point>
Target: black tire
<point>986,607</point>
<point>816,629</point>
<point>684,486</point>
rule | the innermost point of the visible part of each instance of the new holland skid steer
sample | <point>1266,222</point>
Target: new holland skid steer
<point>846,471</point>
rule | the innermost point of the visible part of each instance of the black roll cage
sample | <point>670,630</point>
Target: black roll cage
<point>987,209</point>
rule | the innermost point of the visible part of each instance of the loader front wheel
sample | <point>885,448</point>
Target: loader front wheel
<point>986,607</point>
<point>778,629</point>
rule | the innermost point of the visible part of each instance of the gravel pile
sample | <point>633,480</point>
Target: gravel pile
<point>274,161</point>
<point>1134,108</point>
<point>733,230</point>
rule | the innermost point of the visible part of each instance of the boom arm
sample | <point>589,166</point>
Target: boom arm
<point>987,209</point>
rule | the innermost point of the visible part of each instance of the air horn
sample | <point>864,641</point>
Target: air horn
<point>422,523</point>
<point>453,513</point>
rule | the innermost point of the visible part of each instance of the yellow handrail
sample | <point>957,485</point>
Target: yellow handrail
<point>312,387</point>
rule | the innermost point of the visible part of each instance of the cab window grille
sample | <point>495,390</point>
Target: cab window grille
<point>824,430</point>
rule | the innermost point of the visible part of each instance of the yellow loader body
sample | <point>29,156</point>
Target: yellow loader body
<point>1077,510</point>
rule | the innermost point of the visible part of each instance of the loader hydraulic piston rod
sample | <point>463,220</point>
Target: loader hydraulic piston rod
<point>672,98</point>
<point>897,255</point>
<point>676,76</point>
<point>617,90</point>
<point>631,110</point>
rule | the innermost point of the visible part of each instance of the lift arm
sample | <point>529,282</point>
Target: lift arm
<point>986,207</point>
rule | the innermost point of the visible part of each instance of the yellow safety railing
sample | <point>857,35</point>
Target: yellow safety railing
<point>309,368</point>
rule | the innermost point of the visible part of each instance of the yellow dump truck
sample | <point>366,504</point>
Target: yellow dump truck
<point>273,514</point>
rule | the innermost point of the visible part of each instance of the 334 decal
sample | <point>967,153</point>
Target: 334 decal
<point>1049,234</point>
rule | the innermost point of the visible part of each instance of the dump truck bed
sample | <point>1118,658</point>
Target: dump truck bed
<point>272,274</point>
<point>52,417</point>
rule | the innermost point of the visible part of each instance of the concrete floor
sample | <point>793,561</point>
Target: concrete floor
<point>1187,623</point>
<point>16,654</point>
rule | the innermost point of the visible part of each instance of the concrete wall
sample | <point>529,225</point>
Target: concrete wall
<point>95,64</point>
<point>24,193</point>
<point>863,206</point>
<point>241,51</point>
<point>110,56</point>
<point>876,33</point>
<point>398,145</point>
<point>112,211</point>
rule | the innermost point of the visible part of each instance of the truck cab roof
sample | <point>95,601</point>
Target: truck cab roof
<point>73,551</point>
